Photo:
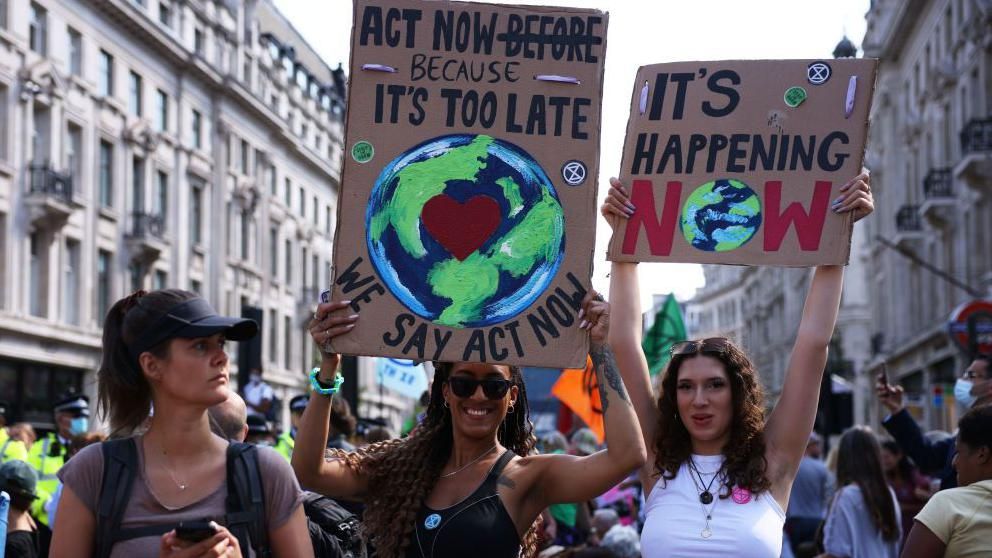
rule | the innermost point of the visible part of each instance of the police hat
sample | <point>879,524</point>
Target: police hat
<point>257,424</point>
<point>298,403</point>
<point>73,403</point>
<point>193,319</point>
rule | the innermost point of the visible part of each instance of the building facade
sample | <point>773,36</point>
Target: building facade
<point>931,157</point>
<point>191,144</point>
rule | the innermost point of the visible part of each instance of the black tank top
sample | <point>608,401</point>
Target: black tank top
<point>478,526</point>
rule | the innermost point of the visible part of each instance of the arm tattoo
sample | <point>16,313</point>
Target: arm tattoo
<point>505,481</point>
<point>606,369</point>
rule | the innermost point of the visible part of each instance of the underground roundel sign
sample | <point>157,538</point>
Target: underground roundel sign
<point>979,312</point>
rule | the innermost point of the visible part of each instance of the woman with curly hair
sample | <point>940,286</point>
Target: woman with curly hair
<point>718,474</point>
<point>465,482</point>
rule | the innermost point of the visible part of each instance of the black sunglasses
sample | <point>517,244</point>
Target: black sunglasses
<point>493,388</point>
<point>710,345</point>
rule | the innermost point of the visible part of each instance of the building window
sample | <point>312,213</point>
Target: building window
<point>315,271</point>
<point>3,248</point>
<point>161,111</point>
<point>160,280</point>
<point>134,99</point>
<point>3,14</point>
<point>74,152</point>
<point>138,185</point>
<point>303,202</point>
<point>38,29</point>
<point>316,212</point>
<point>287,325</point>
<point>273,329</point>
<point>274,252</point>
<point>137,276</point>
<point>75,52</point>
<point>37,278</point>
<point>196,215</point>
<point>102,284</point>
<point>197,129</point>
<point>327,220</point>
<point>106,81</point>
<point>162,196</point>
<point>106,174</point>
<point>71,302</point>
<point>245,156</point>
<point>165,13</point>
<point>289,262</point>
<point>273,180</point>
<point>196,286</point>
<point>245,235</point>
<point>304,258</point>
<point>4,121</point>
<point>289,192</point>
<point>199,40</point>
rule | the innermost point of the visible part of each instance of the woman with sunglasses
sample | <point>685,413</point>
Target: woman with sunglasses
<point>465,482</point>
<point>718,475</point>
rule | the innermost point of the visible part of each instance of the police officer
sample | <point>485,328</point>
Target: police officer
<point>286,440</point>
<point>47,455</point>
<point>9,447</point>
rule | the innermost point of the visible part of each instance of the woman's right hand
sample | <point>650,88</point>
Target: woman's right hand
<point>221,544</point>
<point>325,326</point>
<point>617,206</point>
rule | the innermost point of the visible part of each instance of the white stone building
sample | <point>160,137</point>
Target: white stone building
<point>931,155</point>
<point>158,143</point>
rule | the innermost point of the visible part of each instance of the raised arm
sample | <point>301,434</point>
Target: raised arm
<point>328,477</point>
<point>569,478</point>
<point>790,423</point>
<point>625,332</point>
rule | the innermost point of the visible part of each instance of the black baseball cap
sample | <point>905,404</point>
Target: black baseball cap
<point>193,319</point>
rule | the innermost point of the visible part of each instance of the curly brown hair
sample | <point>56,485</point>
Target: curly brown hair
<point>745,464</point>
<point>401,473</point>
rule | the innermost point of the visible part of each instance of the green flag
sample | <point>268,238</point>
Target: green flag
<point>666,330</point>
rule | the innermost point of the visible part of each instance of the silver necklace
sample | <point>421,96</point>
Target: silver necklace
<point>465,466</point>
<point>182,485</point>
<point>706,532</point>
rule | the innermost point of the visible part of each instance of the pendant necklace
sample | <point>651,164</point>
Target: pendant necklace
<point>168,469</point>
<point>705,496</point>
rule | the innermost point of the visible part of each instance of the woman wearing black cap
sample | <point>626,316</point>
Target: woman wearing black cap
<point>165,349</point>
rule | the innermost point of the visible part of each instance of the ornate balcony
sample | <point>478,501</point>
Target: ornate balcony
<point>975,168</point>
<point>49,197</point>
<point>147,239</point>
<point>909,227</point>
<point>938,195</point>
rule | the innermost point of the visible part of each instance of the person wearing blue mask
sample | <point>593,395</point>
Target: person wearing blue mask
<point>972,390</point>
<point>47,455</point>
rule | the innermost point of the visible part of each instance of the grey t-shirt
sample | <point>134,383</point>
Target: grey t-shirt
<point>849,531</point>
<point>84,474</point>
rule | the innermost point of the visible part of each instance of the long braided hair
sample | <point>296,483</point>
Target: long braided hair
<point>402,472</point>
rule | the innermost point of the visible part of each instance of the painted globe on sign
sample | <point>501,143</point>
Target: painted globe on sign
<point>721,215</point>
<point>513,262</point>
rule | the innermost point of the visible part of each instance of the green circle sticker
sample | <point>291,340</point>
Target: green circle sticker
<point>794,96</point>
<point>362,151</point>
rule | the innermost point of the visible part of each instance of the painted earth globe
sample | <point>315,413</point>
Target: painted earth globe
<point>721,215</point>
<point>465,230</point>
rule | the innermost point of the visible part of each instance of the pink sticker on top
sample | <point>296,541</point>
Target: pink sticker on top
<point>741,495</point>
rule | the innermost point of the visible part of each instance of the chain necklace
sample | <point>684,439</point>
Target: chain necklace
<point>705,496</point>
<point>465,466</point>
<point>168,469</point>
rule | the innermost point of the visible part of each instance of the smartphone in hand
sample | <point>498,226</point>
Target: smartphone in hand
<point>196,531</point>
<point>883,377</point>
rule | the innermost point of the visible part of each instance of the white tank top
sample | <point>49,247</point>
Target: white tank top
<point>743,525</point>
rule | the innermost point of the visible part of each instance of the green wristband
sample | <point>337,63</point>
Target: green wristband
<point>321,387</point>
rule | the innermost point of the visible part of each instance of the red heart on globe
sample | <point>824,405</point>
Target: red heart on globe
<point>461,228</point>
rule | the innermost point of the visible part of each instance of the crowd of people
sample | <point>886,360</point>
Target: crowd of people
<point>697,467</point>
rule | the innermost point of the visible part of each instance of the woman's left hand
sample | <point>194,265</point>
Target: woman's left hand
<point>595,317</point>
<point>223,544</point>
<point>856,197</point>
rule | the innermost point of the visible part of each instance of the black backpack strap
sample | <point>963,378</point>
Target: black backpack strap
<point>120,461</point>
<point>246,499</point>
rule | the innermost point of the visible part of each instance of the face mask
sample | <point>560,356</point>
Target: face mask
<point>255,378</point>
<point>962,392</point>
<point>79,425</point>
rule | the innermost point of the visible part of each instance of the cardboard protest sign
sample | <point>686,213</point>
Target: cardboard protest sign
<point>465,220</point>
<point>739,161</point>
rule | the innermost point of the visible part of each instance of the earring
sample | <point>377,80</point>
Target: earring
<point>676,415</point>
<point>445,403</point>
<point>509,411</point>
